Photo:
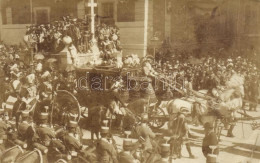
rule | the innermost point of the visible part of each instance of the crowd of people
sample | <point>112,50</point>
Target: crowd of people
<point>48,37</point>
<point>27,86</point>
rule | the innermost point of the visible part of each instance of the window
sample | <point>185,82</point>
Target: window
<point>9,15</point>
<point>126,11</point>
<point>21,13</point>
<point>107,16</point>
<point>41,15</point>
<point>108,10</point>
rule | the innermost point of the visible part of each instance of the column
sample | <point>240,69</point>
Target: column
<point>146,11</point>
<point>1,19</point>
<point>167,26</point>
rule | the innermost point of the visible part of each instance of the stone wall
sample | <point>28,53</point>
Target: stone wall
<point>132,33</point>
<point>13,34</point>
<point>213,25</point>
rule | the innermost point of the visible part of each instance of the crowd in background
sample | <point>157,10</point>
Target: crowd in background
<point>24,81</point>
<point>48,37</point>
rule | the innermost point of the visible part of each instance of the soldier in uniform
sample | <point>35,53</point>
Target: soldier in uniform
<point>44,130</point>
<point>106,152</point>
<point>210,144</point>
<point>165,153</point>
<point>25,129</point>
<point>144,133</point>
<point>179,131</point>
<point>72,138</point>
<point>125,156</point>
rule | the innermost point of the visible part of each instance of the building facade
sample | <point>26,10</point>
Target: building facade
<point>202,25</point>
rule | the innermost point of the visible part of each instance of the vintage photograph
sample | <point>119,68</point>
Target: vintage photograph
<point>129,81</point>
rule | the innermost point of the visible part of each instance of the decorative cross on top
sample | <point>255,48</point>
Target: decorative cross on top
<point>92,5</point>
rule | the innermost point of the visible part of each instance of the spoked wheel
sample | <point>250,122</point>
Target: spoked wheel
<point>157,117</point>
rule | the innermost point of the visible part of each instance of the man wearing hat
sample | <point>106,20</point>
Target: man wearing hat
<point>146,87</point>
<point>25,129</point>
<point>144,133</point>
<point>44,131</point>
<point>165,153</point>
<point>72,138</point>
<point>125,155</point>
<point>45,89</point>
<point>106,152</point>
<point>29,91</point>
<point>210,144</point>
<point>179,130</point>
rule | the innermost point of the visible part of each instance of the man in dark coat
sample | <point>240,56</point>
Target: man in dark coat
<point>44,130</point>
<point>125,155</point>
<point>144,133</point>
<point>106,152</point>
<point>179,130</point>
<point>165,153</point>
<point>210,144</point>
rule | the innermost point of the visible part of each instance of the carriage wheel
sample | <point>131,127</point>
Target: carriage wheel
<point>157,117</point>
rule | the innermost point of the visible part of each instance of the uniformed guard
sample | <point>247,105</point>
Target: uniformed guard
<point>72,138</point>
<point>106,152</point>
<point>44,130</point>
<point>144,133</point>
<point>125,155</point>
<point>165,153</point>
<point>210,144</point>
<point>179,130</point>
<point>25,128</point>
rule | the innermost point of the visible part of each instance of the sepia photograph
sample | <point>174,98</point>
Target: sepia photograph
<point>129,81</point>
